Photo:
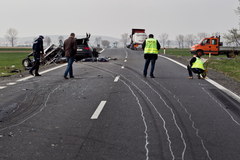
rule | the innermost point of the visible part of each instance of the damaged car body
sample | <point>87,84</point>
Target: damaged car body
<point>55,54</point>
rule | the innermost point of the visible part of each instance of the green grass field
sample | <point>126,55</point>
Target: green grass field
<point>11,59</point>
<point>177,52</point>
<point>230,67</point>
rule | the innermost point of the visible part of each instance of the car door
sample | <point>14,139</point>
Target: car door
<point>206,45</point>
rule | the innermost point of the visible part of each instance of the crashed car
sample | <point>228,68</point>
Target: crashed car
<point>52,54</point>
<point>83,48</point>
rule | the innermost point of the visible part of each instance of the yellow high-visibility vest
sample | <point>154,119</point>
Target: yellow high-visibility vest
<point>198,64</point>
<point>151,46</point>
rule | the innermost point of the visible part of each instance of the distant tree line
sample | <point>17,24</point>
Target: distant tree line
<point>233,35</point>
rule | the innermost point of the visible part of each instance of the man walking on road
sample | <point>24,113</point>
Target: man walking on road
<point>151,48</point>
<point>37,54</point>
<point>70,48</point>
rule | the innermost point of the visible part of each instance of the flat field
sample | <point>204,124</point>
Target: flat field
<point>11,59</point>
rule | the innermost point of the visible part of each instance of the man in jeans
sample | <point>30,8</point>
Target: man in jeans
<point>70,48</point>
<point>151,48</point>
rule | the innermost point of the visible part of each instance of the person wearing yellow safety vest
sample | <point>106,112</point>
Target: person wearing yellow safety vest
<point>151,49</point>
<point>196,66</point>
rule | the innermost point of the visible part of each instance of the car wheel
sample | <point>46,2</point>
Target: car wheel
<point>26,63</point>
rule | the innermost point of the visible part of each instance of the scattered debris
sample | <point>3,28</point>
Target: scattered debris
<point>15,71</point>
<point>101,59</point>
<point>10,134</point>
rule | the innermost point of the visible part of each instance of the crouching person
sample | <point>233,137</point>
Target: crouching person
<point>196,66</point>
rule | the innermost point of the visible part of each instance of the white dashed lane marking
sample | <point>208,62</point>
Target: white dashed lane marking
<point>98,110</point>
<point>116,79</point>
<point>1,87</point>
<point>10,84</point>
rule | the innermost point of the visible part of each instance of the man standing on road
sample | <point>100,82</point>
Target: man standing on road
<point>37,54</point>
<point>196,66</point>
<point>70,48</point>
<point>151,48</point>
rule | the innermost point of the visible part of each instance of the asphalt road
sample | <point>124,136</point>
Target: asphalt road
<point>109,111</point>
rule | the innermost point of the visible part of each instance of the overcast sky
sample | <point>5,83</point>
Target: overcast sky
<point>115,17</point>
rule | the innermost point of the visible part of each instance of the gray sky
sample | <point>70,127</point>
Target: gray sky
<point>115,17</point>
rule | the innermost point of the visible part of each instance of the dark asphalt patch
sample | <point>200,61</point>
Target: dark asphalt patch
<point>230,103</point>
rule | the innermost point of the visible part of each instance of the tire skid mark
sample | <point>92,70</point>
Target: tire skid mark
<point>160,115</point>
<point>143,118</point>
<point>140,107</point>
<point>164,122</point>
<point>44,105</point>
<point>219,104</point>
<point>18,106</point>
<point>174,118</point>
<point>189,117</point>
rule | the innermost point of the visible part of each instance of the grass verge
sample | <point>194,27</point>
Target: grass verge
<point>11,59</point>
<point>230,67</point>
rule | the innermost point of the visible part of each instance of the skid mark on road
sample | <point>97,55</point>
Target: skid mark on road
<point>44,105</point>
<point>174,118</point>
<point>189,117</point>
<point>219,104</point>
<point>111,73</point>
<point>160,115</point>
<point>143,118</point>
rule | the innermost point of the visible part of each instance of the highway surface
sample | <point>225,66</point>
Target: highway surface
<point>109,111</point>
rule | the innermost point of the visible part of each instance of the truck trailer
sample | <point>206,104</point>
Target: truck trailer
<point>137,37</point>
<point>213,46</point>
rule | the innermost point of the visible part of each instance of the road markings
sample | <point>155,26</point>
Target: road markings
<point>98,110</point>
<point>126,56</point>
<point>116,79</point>
<point>10,84</point>
<point>122,67</point>
<point>101,51</point>
<point>1,87</point>
<point>227,91</point>
<point>125,60</point>
<point>48,70</point>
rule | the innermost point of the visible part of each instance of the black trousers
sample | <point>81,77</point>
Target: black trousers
<point>36,63</point>
<point>147,62</point>
<point>194,70</point>
<point>149,58</point>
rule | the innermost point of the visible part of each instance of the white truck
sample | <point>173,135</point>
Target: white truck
<point>137,37</point>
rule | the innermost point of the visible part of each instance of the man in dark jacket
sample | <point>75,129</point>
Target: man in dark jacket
<point>70,48</point>
<point>37,53</point>
<point>151,48</point>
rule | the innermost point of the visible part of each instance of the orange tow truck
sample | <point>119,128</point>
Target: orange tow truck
<point>213,46</point>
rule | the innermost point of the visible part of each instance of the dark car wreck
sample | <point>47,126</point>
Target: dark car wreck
<point>52,54</point>
<point>83,48</point>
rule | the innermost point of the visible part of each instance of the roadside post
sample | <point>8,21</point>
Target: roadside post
<point>164,50</point>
